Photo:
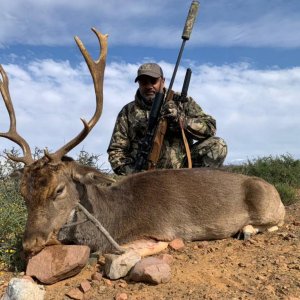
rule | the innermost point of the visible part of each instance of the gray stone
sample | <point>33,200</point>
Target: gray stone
<point>117,266</point>
<point>23,289</point>
<point>55,263</point>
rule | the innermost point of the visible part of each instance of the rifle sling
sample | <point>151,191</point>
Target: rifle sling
<point>186,145</point>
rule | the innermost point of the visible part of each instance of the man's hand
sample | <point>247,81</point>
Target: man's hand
<point>170,111</point>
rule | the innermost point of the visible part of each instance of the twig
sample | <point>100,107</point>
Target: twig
<point>102,229</point>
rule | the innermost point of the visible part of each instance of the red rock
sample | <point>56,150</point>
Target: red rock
<point>177,244</point>
<point>108,282</point>
<point>97,276</point>
<point>121,296</point>
<point>151,270</point>
<point>57,262</point>
<point>166,257</point>
<point>85,286</point>
<point>75,294</point>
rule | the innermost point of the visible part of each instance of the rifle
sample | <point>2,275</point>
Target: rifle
<point>150,146</point>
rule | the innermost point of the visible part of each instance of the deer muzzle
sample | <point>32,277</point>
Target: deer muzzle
<point>34,244</point>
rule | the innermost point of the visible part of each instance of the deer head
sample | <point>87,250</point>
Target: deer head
<point>47,181</point>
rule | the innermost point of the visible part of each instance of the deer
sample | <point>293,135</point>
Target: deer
<point>193,204</point>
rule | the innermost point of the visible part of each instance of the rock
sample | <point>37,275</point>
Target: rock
<point>296,223</point>
<point>177,244</point>
<point>204,244</point>
<point>76,294</point>
<point>107,282</point>
<point>151,270</point>
<point>57,262</point>
<point>122,283</point>
<point>146,247</point>
<point>121,296</point>
<point>28,278</point>
<point>23,289</point>
<point>166,258</point>
<point>85,286</point>
<point>117,266</point>
<point>97,276</point>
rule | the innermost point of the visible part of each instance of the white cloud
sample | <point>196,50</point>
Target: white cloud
<point>255,23</point>
<point>257,111</point>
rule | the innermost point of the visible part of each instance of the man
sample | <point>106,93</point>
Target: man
<point>131,125</point>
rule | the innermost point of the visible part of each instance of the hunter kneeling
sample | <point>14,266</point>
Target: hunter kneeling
<point>188,129</point>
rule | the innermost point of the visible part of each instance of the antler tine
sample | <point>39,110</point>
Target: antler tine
<point>12,133</point>
<point>97,71</point>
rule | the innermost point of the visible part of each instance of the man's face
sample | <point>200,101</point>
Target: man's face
<point>149,86</point>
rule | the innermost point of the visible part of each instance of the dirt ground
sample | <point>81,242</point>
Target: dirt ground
<point>265,267</point>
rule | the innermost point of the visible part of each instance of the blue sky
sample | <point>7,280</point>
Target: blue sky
<point>244,55</point>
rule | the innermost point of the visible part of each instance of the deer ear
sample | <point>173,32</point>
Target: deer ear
<point>91,176</point>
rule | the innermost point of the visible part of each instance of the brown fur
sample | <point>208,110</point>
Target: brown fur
<point>194,204</point>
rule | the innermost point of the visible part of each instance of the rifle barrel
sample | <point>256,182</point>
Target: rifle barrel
<point>186,83</point>
<point>190,20</point>
<point>189,23</point>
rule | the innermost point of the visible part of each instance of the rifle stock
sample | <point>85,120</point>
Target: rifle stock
<point>158,138</point>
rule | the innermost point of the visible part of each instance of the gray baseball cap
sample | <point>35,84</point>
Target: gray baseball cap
<point>149,69</point>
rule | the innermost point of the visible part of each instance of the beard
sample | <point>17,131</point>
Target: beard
<point>148,98</point>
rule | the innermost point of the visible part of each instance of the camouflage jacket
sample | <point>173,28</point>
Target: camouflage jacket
<point>131,126</point>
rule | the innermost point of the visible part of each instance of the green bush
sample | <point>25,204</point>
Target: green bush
<point>287,193</point>
<point>12,216</point>
<point>283,171</point>
<point>88,159</point>
<point>12,221</point>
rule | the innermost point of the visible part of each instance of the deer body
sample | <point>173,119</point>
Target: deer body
<point>194,204</point>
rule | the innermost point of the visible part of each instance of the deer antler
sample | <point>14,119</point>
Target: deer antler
<point>12,134</point>
<point>97,71</point>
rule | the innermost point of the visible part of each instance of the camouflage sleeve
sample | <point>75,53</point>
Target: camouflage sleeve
<point>197,123</point>
<point>119,146</point>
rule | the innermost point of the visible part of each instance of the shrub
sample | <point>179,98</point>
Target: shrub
<point>287,193</point>
<point>283,171</point>
<point>88,159</point>
<point>12,216</point>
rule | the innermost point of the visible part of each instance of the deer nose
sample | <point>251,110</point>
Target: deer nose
<point>33,245</point>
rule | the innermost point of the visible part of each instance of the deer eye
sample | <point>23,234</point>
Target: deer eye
<point>59,190</point>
